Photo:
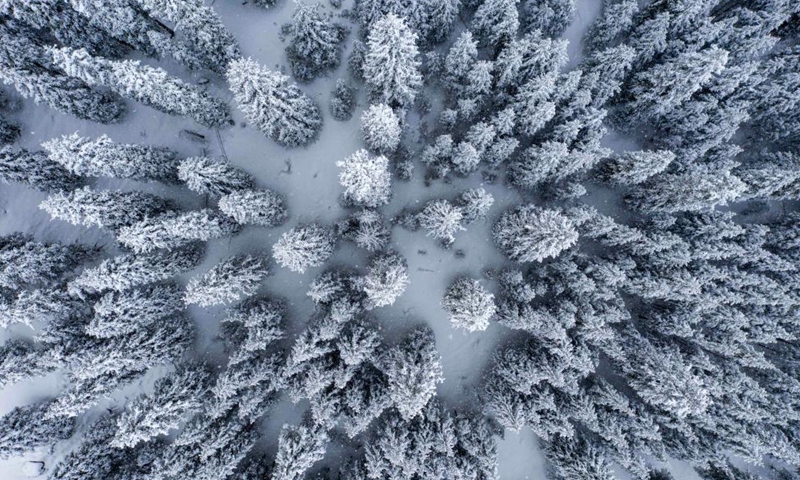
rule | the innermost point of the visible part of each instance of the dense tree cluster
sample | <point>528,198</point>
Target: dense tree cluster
<point>151,86</point>
<point>25,65</point>
<point>644,300</point>
<point>442,218</point>
<point>367,229</point>
<point>432,20</point>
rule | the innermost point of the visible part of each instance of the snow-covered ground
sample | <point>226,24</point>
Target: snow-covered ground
<point>308,179</point>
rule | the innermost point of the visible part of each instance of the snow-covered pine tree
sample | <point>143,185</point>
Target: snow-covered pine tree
<point>43,304</point>
<point>496,21</point>
<point>248,387</point>
<point>554,162</point>
<point>631,168</point>
<point>381,128</point>
<point>413,369</point>
<point>23,65</point>
<point>35,169</point>
<point>230,280</point>
<point>697,189</point>
<point>355,61</point>
<point>469,305</point>
<point>501,150</point>
<point>437,156</point>
<point>475,204</point>
<point>702,127</point>
<point>208,448</point>
<point>275,106</point>
<point>366,179</point>
<point>575,459</point>
<point>120,19</point>
<point>367,228</point>
<point>213,177</point>
<point>725,470</point>
<point>103,208</point>
<point>649,38</point>
<point>127,271</point>
<point>343,101</point>
<point>95,458</point>
<point>775,103</point>
<point>262,319</point>
<point>168,46</point>
<point>304,246</point>
<point>251,382</point>
<point>437,17</point>
<point>415,449</point>
<point>479,85</point>
<point>299,448</point>
<point>264,3</point>
<point>773,175</point>
<point>665,86</point>
<point>335,285</point>
<point>480,136</point>
<point>24,429</point>
<point>25,263</point>
<point>533,62</point>
<point>449,116</point>
<point>524,379</point>
<point>551,17</point>
<point>55,340</point>
<point>21,359</point>
<point>386,279</point>
<point>66,25</point>
<point>151,86</point>
<point>175,396</point>
<point>122,313</point>
<point>660,475</point>
<point>175,229</point>
<point>664,379</point>
<point>615,20</point>
<point>332,361</point>
<point>9,132</point>
<point>315,45</point>
<point>605,71</point>
<point>201,28</point>
<point>260,466</point>
<point>391,65</point>
<point>465,158</point>
<point>432,19</point>
<point>459,61</point>
<point>98,368</point>
<point>530,234</point>
<point>264,208</point>
<point>101,157</point>
<point>442,220</point>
